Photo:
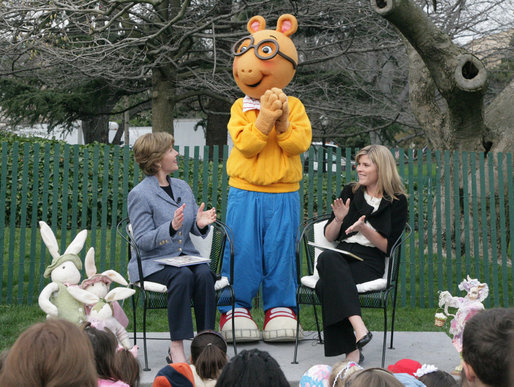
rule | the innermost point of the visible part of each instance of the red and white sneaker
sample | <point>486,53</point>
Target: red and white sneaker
<point>280,325</point>
<point>246,329</point>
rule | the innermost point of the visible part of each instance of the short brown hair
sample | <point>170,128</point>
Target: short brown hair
<point>149,149</point>
<point>52,353</point>
<point>486,345</point>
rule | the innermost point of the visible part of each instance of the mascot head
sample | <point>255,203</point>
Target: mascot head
<point>266,58</point>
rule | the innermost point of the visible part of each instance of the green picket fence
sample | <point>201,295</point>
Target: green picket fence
<point>463,221</point>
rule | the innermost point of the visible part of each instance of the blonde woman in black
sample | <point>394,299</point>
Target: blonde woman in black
<point>367,218</point>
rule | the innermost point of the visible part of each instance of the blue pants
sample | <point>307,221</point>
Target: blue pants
<point>264,227</point>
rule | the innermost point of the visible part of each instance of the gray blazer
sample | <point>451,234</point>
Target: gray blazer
<point>150,210</point>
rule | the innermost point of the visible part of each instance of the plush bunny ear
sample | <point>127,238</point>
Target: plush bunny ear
<point>119,293</point>
<point>77,243</point>
<point>115,277</point>
<point>49,238</point>
<point>287,24</point>
<point>256,23</point>
<point>82,295</point>
<point>89,263</point>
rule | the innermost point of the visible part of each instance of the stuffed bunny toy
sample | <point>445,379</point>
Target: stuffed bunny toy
<point>99,283</point>
<point>54,299</point>
<point>101,314</point>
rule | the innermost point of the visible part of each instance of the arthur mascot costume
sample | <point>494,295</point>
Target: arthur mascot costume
<point>269,130</point>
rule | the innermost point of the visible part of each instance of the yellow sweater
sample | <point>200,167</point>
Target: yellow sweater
<point>267,163</point>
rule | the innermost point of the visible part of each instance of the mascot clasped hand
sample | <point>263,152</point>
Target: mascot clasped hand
<point>270,130</point>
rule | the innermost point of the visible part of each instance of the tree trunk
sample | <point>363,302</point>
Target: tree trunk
<point>96,129</point>
<point>217,120</point>
<point>163,99</point>
<point>459,76</point>
<point>499,116</point>
<point>436,64</point>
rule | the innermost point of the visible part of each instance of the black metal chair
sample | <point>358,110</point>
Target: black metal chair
<point>154,296</point>
<point>312,231</point>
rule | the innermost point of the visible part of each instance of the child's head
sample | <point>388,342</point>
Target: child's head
<point>3,356</point>
<point>376,377</point>
<point>104,346</point>
<point>252,368</point>
<point>342,371</point>
<point>127,366</point>
<point>51,353</point>
<point>438,378</point>
<point>209,354</point>
<point>316,376</point>
<point>486,346</point>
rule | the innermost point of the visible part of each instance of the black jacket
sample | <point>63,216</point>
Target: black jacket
<point>389,219</point>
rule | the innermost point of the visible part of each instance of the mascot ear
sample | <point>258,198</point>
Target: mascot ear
<point>256,23</point>
<point>287,24</point>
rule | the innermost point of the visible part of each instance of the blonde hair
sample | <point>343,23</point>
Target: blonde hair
<point>376,377</point>
<point>342,371</point>
<point>149,149</point>
<point>389,182</point>
<point>52,353</point>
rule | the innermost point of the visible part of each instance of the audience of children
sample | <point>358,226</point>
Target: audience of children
<point>61,354</point>
<point>254,368</point>
<point>112,372</point>
<point>51,353</point>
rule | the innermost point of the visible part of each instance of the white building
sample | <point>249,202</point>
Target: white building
<point>185,133</point>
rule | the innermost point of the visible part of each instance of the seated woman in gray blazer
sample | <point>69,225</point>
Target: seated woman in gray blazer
<point>163,211</point>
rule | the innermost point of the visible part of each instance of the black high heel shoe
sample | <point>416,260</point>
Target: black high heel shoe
<point>169,360</point>
<point>365,340</point>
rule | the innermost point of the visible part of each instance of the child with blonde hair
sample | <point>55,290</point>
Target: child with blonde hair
<point>341,371</point>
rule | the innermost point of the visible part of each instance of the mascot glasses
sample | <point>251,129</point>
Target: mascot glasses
<point>266,49</point>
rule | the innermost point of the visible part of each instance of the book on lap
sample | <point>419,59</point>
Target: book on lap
<point>324,247</point>
<point>183,260</point>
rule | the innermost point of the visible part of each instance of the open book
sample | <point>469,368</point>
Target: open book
<point>325,247</point>
<point>183,260</point>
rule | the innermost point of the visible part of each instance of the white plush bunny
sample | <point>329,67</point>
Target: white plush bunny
<point>101,314</point>
<point>54,299</point>
<point>99,284</point>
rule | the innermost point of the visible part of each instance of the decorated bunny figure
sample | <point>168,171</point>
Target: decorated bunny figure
<point>99,283</point>
<point>54,299</point>
<point>101,314</point>
<point>466,306</point>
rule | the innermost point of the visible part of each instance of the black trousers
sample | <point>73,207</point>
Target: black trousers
<point>338,276</point>
<point>184,284</point>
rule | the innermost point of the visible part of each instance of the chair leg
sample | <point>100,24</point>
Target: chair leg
<point>295,361</point>
<point>234,323</point>
<point>384,343</point>
<point>134,305</point>
<point>144,337</point>
<point>393,318</point>
<point>317,324</point>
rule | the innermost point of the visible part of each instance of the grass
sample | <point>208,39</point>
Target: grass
<point>15,319</point>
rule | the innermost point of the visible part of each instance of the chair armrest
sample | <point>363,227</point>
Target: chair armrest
<point>152,286</point>
<point>221,283</point>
